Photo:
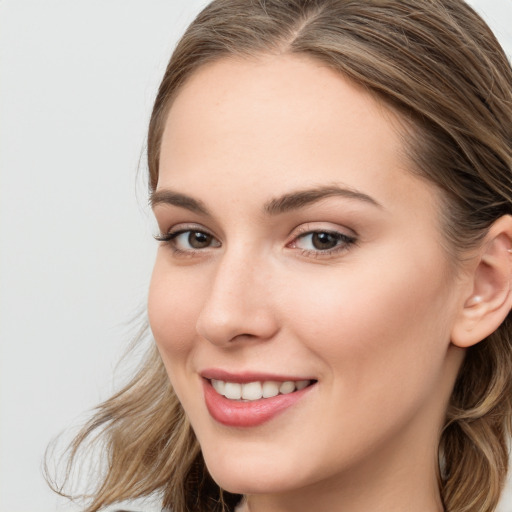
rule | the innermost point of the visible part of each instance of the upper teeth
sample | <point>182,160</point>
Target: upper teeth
<point>257,390</point>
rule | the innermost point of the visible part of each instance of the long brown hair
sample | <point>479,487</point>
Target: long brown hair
<point>437,64</point>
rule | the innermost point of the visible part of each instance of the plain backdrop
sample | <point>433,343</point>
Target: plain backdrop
<point>77,81</point>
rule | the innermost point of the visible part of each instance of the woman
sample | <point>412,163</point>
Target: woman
<point>330,298</point>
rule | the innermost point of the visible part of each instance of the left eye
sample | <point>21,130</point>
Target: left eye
<point>191,240</point>
<point>188,240</point>
<point>322,241</point>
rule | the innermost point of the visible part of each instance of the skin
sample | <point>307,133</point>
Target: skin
<point>371,321</point>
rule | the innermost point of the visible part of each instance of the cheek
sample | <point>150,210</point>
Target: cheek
<point>381,339</point>
<point>374,323</point>
<point>173,304</point>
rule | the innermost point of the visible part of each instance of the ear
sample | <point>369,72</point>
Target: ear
<point>489,299</point>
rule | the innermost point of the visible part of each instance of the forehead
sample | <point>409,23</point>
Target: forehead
<point>279,122</point>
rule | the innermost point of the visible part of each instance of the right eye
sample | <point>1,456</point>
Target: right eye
<point>188,240</point>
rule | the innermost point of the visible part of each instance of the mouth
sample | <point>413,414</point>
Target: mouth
<point>257,390</point>
<point>251,402</point>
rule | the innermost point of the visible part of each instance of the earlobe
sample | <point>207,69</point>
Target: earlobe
<point>490,299</point>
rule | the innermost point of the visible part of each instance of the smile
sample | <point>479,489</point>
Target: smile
<point>252,391</point>
<point>252,402</point>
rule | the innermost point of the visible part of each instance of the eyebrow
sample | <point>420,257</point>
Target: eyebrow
<point>285,203</point>
<point>301,198</point>
<point>167,196</point>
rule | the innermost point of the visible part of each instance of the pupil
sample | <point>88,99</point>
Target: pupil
<point>199,240</point>
<point>324,241</point>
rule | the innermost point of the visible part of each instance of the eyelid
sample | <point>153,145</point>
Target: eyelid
<point>323,227</point>
<point>346,240</point>
<point>170,236</point>
<point>182,228</point>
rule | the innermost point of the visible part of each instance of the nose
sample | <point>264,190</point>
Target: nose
<point>239,304</point>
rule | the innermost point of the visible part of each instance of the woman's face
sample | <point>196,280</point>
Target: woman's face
<point>300,249</point>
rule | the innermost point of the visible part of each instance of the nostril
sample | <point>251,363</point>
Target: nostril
<point>239,324</point>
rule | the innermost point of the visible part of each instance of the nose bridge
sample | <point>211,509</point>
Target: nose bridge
<point>238,302</point>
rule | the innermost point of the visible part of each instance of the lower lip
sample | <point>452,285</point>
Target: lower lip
<point>248,414</point>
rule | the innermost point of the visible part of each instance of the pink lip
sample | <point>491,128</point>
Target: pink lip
<point>244,377</point>
<point>248,414</point>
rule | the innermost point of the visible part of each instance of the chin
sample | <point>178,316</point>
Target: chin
<point>245,474</point>
<point>251,483</point>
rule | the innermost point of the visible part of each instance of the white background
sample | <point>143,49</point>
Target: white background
<point>77,81</point>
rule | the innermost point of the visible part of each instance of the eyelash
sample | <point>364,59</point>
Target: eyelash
<point>344,242</point>
<point>169,239</point>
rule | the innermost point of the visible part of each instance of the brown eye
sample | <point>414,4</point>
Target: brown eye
<point>189,240</point>
<point>324,241</point>
<point>199,240</point>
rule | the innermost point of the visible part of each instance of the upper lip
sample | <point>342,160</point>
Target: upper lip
<point>247,376</point>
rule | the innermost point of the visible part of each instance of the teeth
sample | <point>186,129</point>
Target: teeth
<point>233,391</point>
<point>218,385</point>
<point>257,390</point>
<point>301,384</point>
<point>270,389</point>
<point>252,391</point>
<point>287,387</point>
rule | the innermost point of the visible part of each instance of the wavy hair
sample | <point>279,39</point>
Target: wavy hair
<point>438,65</point>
